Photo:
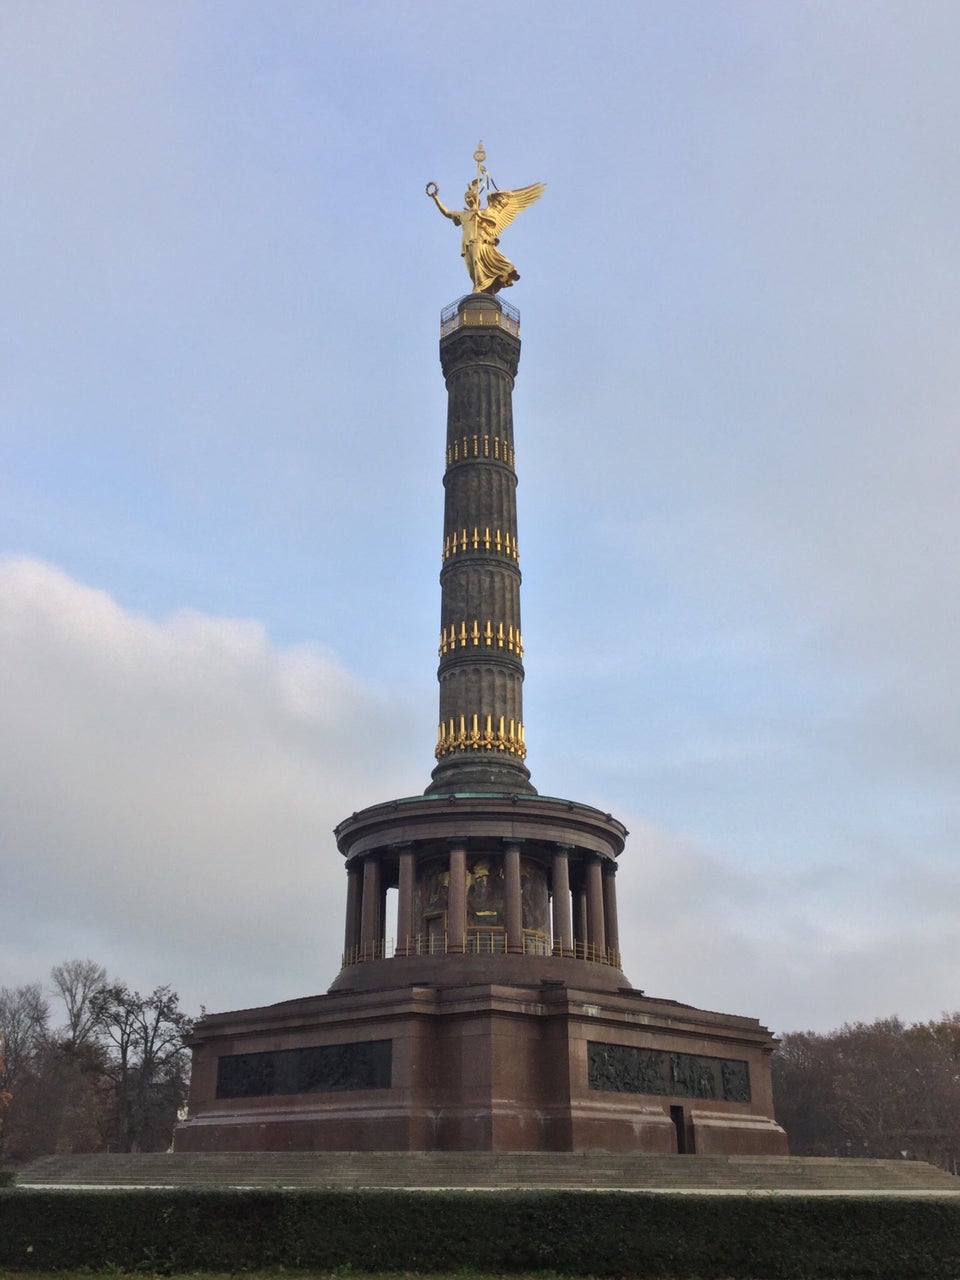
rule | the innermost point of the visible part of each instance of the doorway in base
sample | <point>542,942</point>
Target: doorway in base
<point>684,1141</point>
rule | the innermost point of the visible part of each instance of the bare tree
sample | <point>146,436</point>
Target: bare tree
<point>880,1089</point>
<point>23,1035</point>
<point>23,1026</point>
<point>147,1061</point>
<point>113,1076</point>
<point>76,982</point>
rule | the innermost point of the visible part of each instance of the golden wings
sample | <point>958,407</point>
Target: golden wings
<point>503,206</point>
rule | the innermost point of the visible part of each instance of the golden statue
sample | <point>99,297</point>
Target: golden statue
<point>488,269</point>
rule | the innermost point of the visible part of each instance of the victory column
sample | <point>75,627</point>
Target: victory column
<point>498,1018</point>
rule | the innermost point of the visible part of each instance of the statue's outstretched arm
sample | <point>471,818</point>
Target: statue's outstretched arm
<point>432,189</point>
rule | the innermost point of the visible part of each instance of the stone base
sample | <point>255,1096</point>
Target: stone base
<point>481,1067</point>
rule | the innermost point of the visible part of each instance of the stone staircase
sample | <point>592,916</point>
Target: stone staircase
<point>599,1171</point>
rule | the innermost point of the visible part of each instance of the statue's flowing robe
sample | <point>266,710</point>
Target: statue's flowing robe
<point>487,267</point>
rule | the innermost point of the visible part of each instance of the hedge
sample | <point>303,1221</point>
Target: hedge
<point>767,1237</point>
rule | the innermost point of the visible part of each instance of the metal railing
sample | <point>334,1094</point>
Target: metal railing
<point>478,942</point>
<point>451,317</point>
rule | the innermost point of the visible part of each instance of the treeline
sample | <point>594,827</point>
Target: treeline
<point>104,1070</point>
<point>881,1089</point>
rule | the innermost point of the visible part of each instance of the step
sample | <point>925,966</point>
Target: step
<point>596,1170</point>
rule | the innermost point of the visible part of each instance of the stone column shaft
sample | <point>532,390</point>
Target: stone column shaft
<point>351,933</point>
<point>406,881</point>
<point>562,923</point>
<point>370,910</point>
<point>457,899</point>
<point>580,917</point>
<point>610,920</point>
<point>480,735</point>
<point>596,934</point>
<point>512,900</point>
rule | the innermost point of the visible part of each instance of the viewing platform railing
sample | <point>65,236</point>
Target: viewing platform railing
<point>478,942</point>
<point>451,317</point>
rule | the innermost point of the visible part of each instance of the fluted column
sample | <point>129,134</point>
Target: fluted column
<point>512,898</point>
<point>596,934</point>
<point>370,911</point>
<point>580,931</point>
<point>457,898</point>
<point>351,933</point>
<point>480,736</point>
<point>406,888</point>
<point>562,923</point>
<point>611,923</point>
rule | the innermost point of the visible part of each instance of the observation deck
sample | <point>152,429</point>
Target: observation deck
<point>475,310</point>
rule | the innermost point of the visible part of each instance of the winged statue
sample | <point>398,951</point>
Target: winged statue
<point>489,270</point>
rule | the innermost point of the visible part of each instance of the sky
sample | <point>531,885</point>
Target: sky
<point>222,427</point>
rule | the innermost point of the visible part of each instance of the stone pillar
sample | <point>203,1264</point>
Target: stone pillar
<point>480,735</point>
<point>562,924</point>
<point>610,909</point>
<point>457,898</point>
<point>351,933</point>
<point>512,901</point>
<point>580,920</point>
<point>406,888</point>
<point>370,913</point>
<point>596,934</point>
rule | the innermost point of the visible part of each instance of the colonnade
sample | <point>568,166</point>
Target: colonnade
<point>583,904</point>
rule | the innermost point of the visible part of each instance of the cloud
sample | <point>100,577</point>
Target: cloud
<point>813,944</point>
<point>168,790</point>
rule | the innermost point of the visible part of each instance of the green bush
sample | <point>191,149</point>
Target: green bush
<point>572,1232</point>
